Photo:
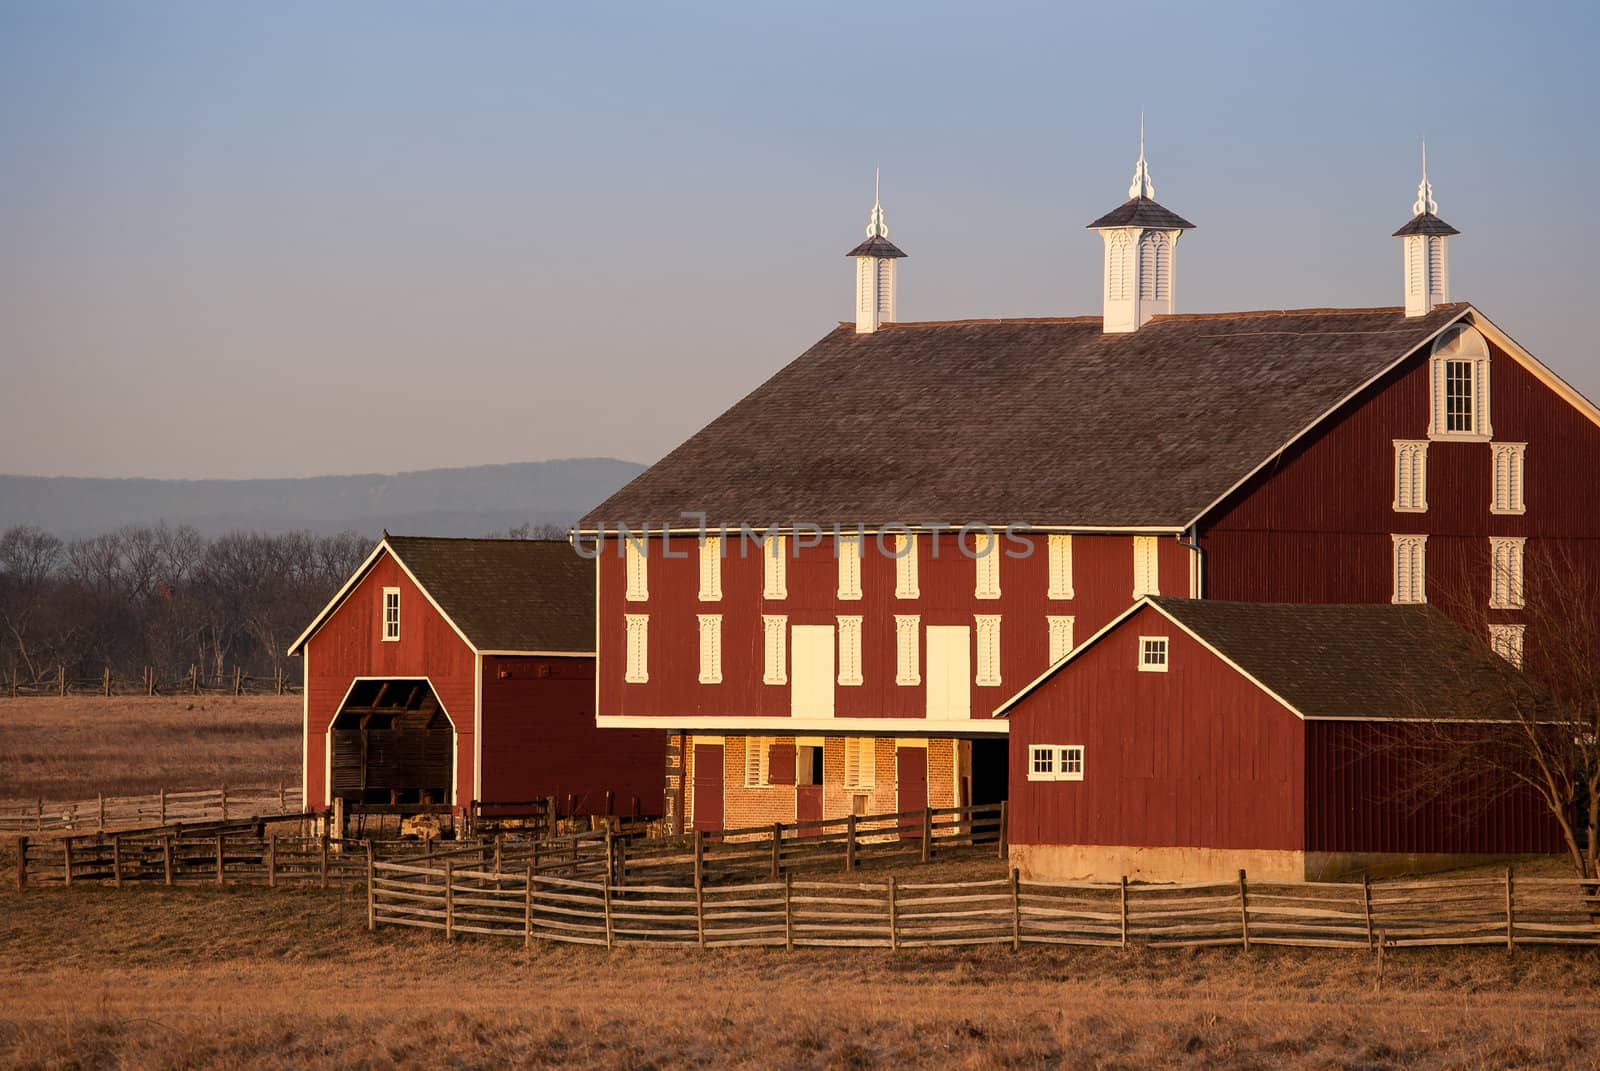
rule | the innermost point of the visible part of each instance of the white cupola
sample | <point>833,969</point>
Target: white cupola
<point>1427,264</point>
<point>875,259</point>
<point>1141,240</point>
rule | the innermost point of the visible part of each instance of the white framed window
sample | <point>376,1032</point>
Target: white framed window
<point>907,649</point>
<point>638,668</point>
<point>1146,573</point>
<point>1410,568</point>
<point>849,649</point>
<point>757,755</point>
<point>1060,546</point>
<point>988,626</point>
<point>1410,476</point>
<point>849,551</point>
<point>710,648</point>
<point>1055,762</point>
<point>775,648</point>
<point>986,560</point>
<point>1060,637</point>
<point>1505,573</point>
<point>860,762</point>
<point>1459,385</point>
<point>638,570</point>
<point>391,615</point>
<point>1506,460</point>
<point>711,569</point>
<point>774,567</point>
<point>905,566</point>
<point>1506,640</point>
<point>1153,656</point>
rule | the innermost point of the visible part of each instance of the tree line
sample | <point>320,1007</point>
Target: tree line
<point>163,597</point>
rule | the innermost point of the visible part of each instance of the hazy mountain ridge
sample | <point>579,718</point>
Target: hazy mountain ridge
<point>458,501</point>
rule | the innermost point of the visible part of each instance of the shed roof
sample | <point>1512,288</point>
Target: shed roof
<point>1035,421</point>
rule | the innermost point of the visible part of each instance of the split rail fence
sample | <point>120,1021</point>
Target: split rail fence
<point>150,682</point>
<point>162,808</point>
<point>791,913</point>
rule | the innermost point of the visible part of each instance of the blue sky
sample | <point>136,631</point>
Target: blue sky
<point>297,238</point>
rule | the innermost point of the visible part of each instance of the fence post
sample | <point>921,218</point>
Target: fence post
<point>699,857</point>
<point>224,803</point>
<point>324,856</point>
<point>605,889</point>
<point>166,858</point>
<point>220,837</point>
<point>927,834</point>
<point>372,907</point>
<point>1366,905</point>
<point>1124,944</point>
<point>788,912</point>
<point>849,843</point>
<point>61,679</point>
<point>1244,910</point>
<point>38,814</point>
<point>66,872</point>
<point>1001,838</point>
<point>116,861</point>
<point>700,914</point>
<point>449,901</point>
<point>272,859</point>
<point>161,796</point>
<point>238,680</point>
<point>611,873</point>
<point>777,845</point>
<point>194,679</point>
<point>283,802</point>
<point>622,862</point>
<point>527,909</point>
<point>499,839</point>
<point>1016,909</point>
<point>105,681</point>
<point>102,798</point>
<point>894,936</point>
<point>22,863</point>
<point>1511,918</point>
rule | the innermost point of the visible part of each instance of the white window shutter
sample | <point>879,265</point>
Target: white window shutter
<point>849,551</point>
<point>988,649</point>
<point>774,567</point>
<point>638,570</point>
<point>710,648</point>
<point>1410,568</point>
<point>908,655</point>
<point>1505,581</point>
<point>1146,578</point>
<point>986,560</point>
<point>1060,584</point>
<point>775,631</point>
<point>1060,637</point>
<point>849,649</point>
<point>638,665</point>
<point>1410,476</point>
<point>711,569</point>
<point>905,567</point>
<point>1508,477</point>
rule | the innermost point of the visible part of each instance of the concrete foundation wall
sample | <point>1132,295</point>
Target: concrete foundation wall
<point>1111,862</point>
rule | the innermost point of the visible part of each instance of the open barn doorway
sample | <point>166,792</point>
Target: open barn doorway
<point>393,745</point>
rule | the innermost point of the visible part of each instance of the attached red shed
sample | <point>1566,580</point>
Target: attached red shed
<point>1192,738</point>
<point>452,670</point>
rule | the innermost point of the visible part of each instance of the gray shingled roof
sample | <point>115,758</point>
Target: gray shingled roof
<point>876,246</point>
<point>1361,661</point>
<point>1041,422</point>
<point>1142,212</point>
<point>1425,223</point>
<point>507,594</point>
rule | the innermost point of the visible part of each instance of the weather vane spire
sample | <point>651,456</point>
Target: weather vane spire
<point>1425,201</point>
<point>876,227</point>
<point>1142,186</point>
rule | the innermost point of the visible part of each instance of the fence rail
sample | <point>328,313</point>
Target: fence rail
<point>528,905</point>
<point>105,813</point>
<point>149,682</point>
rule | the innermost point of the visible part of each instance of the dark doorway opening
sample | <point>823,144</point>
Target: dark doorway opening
<point>393,745</point>
<point>991,770</point>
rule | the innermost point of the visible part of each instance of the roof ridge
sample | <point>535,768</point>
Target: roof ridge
<point>1372,310</point>
<point>983,320</point>
<point>476,539</point>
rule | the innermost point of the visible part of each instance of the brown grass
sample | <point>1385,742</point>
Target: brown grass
<point>74,747</point>
<point>259,978</point>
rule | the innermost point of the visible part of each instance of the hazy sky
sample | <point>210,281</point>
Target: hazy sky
<point>286,239</point>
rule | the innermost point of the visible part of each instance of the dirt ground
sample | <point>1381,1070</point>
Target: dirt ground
<point>275,979</point>
<point>74,747</point>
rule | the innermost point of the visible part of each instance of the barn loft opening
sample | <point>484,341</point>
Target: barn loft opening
<point>393,745</point>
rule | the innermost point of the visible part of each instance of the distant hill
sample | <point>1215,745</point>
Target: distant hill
<point>446,502</point>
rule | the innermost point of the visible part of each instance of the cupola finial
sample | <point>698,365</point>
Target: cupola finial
<point>1425,202</point>
<point>876,226</point>
<point>875,259</point>
<point>1142,186</point>
<point>1426,241</point>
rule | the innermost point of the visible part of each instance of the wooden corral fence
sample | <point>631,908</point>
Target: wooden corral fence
<point>162,808</point>
<point>149,682</point>
<point>790,913</point>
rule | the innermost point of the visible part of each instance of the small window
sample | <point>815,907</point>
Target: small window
<point>774,567</point>
<point>986,559</point>
<point>1041,763</point>
<point>848,548</point>
<point>638,569</point>
<point>1410,476</point>
<point>1060,567</point>
<point>1410,568</point>
<point>860,762</point>
<point>638,668</point>
<point>1506,640</point>
<point>1060,637</point>
<point>391,614</point>
<point>988,649</point>
<point>908,654</point>
<point>757,755</point>
<point>1505,573</point>
<point>711,569</point>
<point>1153,654</point>
<point>905,566</point>
<point>1507,462</point>
<point>1055,762</point>
<point>1146,577</point>
<point>849,649</point>
<point>710,648</point>
<point>776,647</point>
<point>1459,370</point>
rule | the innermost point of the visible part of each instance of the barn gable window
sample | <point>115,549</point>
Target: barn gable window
<point>1505,573</point>
<point>711,569</point>
<point>1410,476</point>
<point>1060,637</point>
<point>849,649</point>
<point>905,566</point>
<point>638,570</point>
<point>710,648</point>
<point>986,557</point>
<point>774,571</point>
<point>1506,459</point>
<point>1506,640</point>
<point>1410,568</point>
<point>775,647</point>
<point>860,762</point>
<point>1060,567</point>
<point>757,759</point>
<point>1146,576</point>
<point>1055,762</point>
<point>849,551</point>
<point>391,615</point>
<point>1153,654</point>
<point>638,668</point>
<point>988,649</point>
<point>1459,385</point>
<point>907,649</point>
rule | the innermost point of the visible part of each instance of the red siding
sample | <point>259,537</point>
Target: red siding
<point>539,739</point>
<point>1194,757</point>
<point>349,645</point>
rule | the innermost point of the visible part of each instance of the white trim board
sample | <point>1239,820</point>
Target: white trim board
<point>327,735</point>
<point>786,726</point>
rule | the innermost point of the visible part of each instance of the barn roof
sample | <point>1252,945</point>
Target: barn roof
<point>1351,662</point>
<point>1035,421</point>
<point>505,595</point>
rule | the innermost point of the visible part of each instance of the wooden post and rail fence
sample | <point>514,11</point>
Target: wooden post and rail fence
<point>149,682</point>
<point>160,808</point>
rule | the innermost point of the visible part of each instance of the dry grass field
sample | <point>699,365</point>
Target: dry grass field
<point>74,747</point>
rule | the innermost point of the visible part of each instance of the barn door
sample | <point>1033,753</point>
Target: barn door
<point>808,784</point>
<point>708,787</point>
<point>811,661</point>
<point>911,776</point>
<point>949,672</point>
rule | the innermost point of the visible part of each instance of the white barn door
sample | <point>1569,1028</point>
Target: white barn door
<point>949,671</point>
<point>811,671</point>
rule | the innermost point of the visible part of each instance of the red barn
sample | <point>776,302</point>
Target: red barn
<point>452,670</point>
<point>1192,738</point>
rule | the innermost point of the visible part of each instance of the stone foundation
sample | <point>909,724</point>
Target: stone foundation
<point>1112,862</point>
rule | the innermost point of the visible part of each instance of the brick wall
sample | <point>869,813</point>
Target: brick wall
<point>753,805</point>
